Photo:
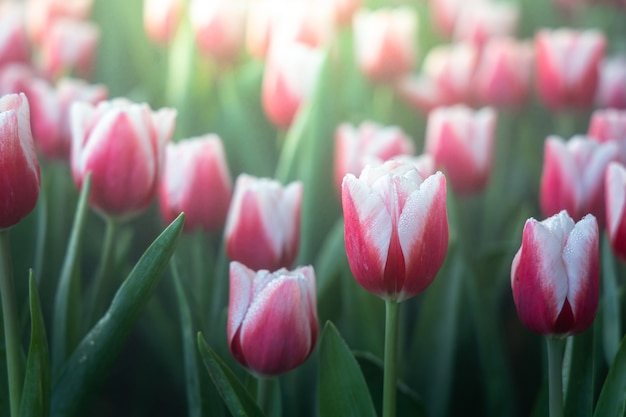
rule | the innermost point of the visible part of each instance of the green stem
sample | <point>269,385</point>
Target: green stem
<point>263,393</point>
<point>555,375</point>
<point>11,327</point>
<point>103,272</point>
<point>391,358</point>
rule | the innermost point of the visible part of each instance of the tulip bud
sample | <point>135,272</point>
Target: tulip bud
<point>567,67</point>
<point>196,181</point>
<point>616,208</point>
<point>555,275</point>
<point>444,14</point>
<point>573,176</point>
<point>19,188</point>
<point>263,224</point>
<point>396,228</point>
<point>122,144</point>
<point>272,318</point>
<point>486,20</point>
<point>611,90</point>
<point>161,19</point>
<point>367,144</point>
<point>14,45</point>
<point>609,125</point>
<point>41,15</point>
<point>461,142</point>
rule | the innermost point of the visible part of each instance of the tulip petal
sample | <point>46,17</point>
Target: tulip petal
<point>240,296</point>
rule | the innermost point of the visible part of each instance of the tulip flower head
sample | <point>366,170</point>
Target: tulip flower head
<point>272,318</point>
<point>611,90</point>
<point>616,208</point>
<point>396,228</point>
<point>14,45</point>
<point>122,144</point>
<point>555,275</point>
<point>263,225</point>
<point>161,19</point>
<point>609,125</point>
<point>486,20</point>
<point>19,187</point>
<point>196,181</point>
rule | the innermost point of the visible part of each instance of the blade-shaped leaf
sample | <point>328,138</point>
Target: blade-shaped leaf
<point>611,319</point>
<point>36,392</point>
<point>342,388</point>
<point>234,394</point>
<point>88,366</point>
<point>612,400</point>
<point>580,369</point>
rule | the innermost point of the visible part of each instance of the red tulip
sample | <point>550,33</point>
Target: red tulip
<point>161,19</point>
<point>122,144</point>
<point>609,125</point>
<point>573,176</point>
<point>567,67</point>
<point>263,224</point>
<point>611,90</point>
<point>396,228</point>
<point>19,187</point>
<point>14,44</point>
<point>555,275</point>
<point>615,208</point>
<point>461,142</point>
<point>196,181</point>
<point>272,318</point>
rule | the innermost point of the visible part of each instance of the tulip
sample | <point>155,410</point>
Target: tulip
<point>504,72</point>
<point>122,144</point>
<point>396,228</point>
<point>272,318</point>
<point>289,78</point>
<point>421,92</point>
<point>19,188</point>
<point>444,14</point>
<point>161,19</point>
<point>385,42</point>
<point>573,176</point>
<point>615,208</point>
<point>14,45</point>
<point>344,10</point>
<point>555,275</point>
<point>451,68</point>
<point>486,20</point>
<point>425,163</point>
<point>611,90</point>
<point>461,142</point>
<point>609,125</point>
<point>196,181</point>
<point>567,67</point>
<point>41,15</point>
<point>263,225</point>
<point>367,144</point>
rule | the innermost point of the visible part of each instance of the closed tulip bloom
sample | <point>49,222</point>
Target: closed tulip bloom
<point>41,15</point>
<point>396,228</point>
<point>19,188</point>
<point>14,44</point>
<point>384,42</point>
<point>503,75</point>
<point>486,20</point>
<point>444,14</point>
<point>616,208</point>
<point>122,144</point>
<point>609,125</point>
<point>461,141</point>
<point>452,68</point>
<point>272,318</point>
<point>555,275</point>
<point>196,181</point>
<point>290,75</point>
<point>567,66</point>
<point>356,147</point>
<point>573,176</point>
<point>611,90</point>
<point>263,225</point>
<point>161,19</point>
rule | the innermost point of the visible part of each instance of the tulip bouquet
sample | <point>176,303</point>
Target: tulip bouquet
<point>313,208</point>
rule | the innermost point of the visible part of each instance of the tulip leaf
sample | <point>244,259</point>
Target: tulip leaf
<point>36,393</point>
<point>88,366</point>
<point>611,319</point>
<point>342,389</point>
<point>66,317</point>
<point>579,367</point>
<point>612,400</point>
<point>328,267</point>
<point>234,394</point>
<point>192,382</point>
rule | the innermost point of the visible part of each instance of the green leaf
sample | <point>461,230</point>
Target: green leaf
<point>192,382</point>
<point>611,319</point>
<point>408,402</point>
<point>329,265</point>
<point>612,400</point>
<point>342,388</point>
<point>88,366</point>
<point>234,394</point>
<point>579,368</point>
<point>66,320</point>
<point>36,392</point>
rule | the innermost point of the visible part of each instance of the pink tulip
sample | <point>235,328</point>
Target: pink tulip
<point>122,144</point>
<point>196,181</point>
<point>461,142</point>
<point>452,68</point>
<point>219,28</point>
<point>567,67</point>
<point>272,318</point>
<point>344,10</point>
<point>41,15</point>
<point>14,44</point>
<point>444,14</point>
<point>425,163</point>
<point>396,228</point>
<point>367,144</point>
<point>504,73</point>
<point>609,125</point>
<point>421,93</point>
<point>161,19</point>
<point>611,90</point>
<point>616,208</point>
<point>263,225</point>
<point>573,176</point>
<point>555,275</point>
<point>19,188</point>
<point>486,20</point>
<point>385,42</point>
<point>289,78</point>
